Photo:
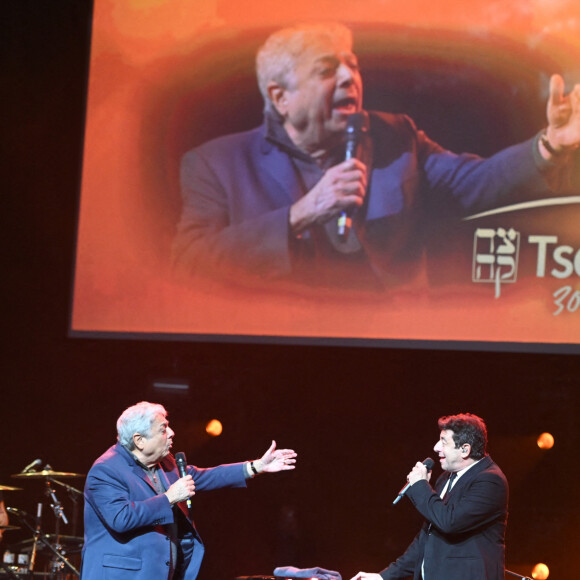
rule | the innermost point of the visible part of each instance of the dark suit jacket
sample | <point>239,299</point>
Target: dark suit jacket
<point>237,191</point>
<point>463,539</point>
<point>126,534</point>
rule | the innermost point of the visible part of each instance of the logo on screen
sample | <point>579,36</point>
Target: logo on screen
<point>495,257</point>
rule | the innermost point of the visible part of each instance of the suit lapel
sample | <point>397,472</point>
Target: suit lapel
<point>138,471</point>
<point>470,474</point>
<point>279,169</point>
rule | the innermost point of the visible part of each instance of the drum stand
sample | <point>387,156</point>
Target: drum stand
<point>59,561</point>
<point>8,571</point>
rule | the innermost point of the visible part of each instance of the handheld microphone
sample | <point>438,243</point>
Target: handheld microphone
<point>31,465</point>
<point>181,465</point>
<point>357,125</point>
<point>428,463</point>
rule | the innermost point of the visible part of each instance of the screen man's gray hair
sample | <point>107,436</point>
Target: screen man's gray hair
<point>137,419</point>
<point>279,55</point>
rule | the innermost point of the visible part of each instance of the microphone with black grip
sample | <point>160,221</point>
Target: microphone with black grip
<point>357,125</point>
<point>181,465</point>
<point>428,463</point>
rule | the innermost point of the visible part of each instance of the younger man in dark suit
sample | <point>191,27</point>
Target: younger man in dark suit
<point>463,536</point>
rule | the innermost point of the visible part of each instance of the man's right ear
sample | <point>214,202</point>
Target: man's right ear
<point>277,95</point>
<point>138,441</point>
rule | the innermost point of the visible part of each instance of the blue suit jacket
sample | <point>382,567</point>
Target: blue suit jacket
<point>237,191</point>
<point>462,538</point>
<point>125,535</point>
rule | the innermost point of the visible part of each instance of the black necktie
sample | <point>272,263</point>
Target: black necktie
<point>449,484</point>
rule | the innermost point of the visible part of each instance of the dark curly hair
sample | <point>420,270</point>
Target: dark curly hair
<point>467,428</point>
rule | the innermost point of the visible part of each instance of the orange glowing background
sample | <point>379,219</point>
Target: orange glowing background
<point>166,75</point>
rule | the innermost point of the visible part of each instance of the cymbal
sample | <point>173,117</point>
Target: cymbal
<point>72,544</point>
<point>5,528</point>
<point>46,473</point>
<point>8,488</point>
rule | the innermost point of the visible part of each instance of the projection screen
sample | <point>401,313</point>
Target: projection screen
<point>423,268</point>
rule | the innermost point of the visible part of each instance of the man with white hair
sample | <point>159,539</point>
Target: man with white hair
<point>264,203</point>
<point>138,521</point>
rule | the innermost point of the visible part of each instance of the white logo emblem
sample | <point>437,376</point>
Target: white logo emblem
<point>495,256</point>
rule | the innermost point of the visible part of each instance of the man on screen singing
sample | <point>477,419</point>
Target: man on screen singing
<point>265,203</point>
<point>463,536</point>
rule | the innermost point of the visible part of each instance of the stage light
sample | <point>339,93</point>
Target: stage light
<point>545,441</point>
<point>540,572</point>
<point>214,428</point>
<point>169,386</point>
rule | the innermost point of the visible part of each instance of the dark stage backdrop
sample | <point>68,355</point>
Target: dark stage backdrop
<point>359,418</point>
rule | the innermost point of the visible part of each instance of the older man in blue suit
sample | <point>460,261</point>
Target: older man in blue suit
<point>137,520</point>
<point>263,205</point>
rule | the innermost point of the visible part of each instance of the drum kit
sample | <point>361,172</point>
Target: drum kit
<point>42,555</point>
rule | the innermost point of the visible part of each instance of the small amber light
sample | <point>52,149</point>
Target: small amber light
<point>540,572</point>
<point>214,428</point>
<point>545,441</point>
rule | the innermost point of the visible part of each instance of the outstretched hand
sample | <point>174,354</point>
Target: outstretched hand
<point>277,459</point>
<point>563,112</point>
<point>367,576</point>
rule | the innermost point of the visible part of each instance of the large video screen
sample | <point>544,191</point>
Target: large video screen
<point>212,202</point>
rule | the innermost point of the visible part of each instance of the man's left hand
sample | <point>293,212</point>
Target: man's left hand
<point>563,112</point>
<point>276,460</point>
